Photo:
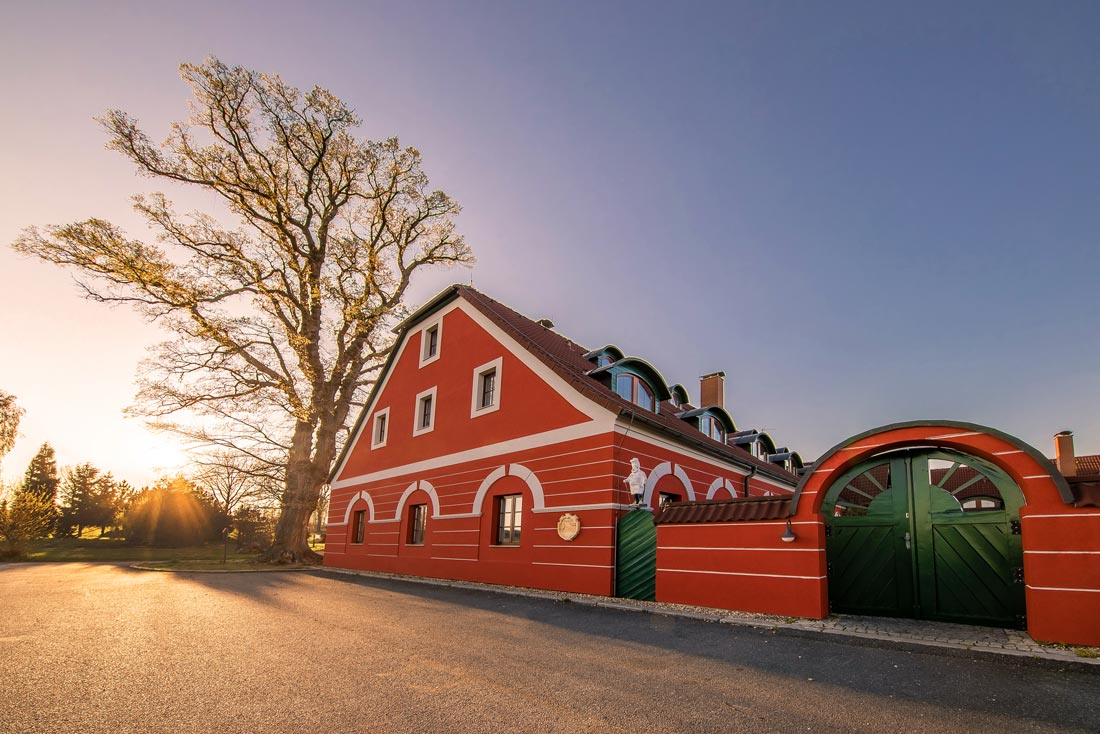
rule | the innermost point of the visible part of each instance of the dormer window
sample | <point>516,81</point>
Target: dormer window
<point>712,427</point>
<point>759,450</point>
<point>633,388</point>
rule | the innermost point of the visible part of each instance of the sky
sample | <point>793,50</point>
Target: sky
<point>863,212</point>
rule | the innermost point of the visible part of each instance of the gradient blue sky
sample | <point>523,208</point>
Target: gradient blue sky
<point>864,212</point>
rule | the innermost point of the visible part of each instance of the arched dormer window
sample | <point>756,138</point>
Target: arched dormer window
<point>712,427</point>
<point>606,356</point>
<point>679,396</point>
<point>756,442</point>
<point>635,380</point>
<point>633,388</point>
<point>713,422</point>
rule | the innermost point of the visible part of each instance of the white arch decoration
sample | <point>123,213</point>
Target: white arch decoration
<point>421,485</point>
<point>362,495</point>
<point>721,483</point>
<point>663,470</point>
<point>512,470</point>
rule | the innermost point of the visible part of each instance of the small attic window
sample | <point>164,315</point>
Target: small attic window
<point>759,450</point>
<point>603,360</point>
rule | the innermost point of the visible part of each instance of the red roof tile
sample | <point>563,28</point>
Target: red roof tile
<point>745,509</point>
<point>1088,464</point>
<point>566,358</point>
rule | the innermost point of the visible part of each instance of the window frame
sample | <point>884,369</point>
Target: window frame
<point>714,426</point>
<point>383,416</point>
<point>514,529</point>
<point>418,524</point>
<point>436,325</point>
<point>418,411</point>
<point>477,388</point>
<point>358,527</point>
<point>636,380</point>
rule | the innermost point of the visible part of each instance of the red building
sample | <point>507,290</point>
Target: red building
<point>486,430</point>
<point>494,449</point>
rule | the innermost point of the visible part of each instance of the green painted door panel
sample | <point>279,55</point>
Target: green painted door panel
<point>636,554</point>
<point>900,543</point>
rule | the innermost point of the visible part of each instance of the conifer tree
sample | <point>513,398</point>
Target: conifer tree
<point>41,478</point>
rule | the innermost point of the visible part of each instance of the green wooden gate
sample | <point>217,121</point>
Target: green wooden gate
<point>636,554</point>
<point>929,534</point>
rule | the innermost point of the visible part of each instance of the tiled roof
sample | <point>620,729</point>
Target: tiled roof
<point>567,359</point>
<point>1088,464</point>
<point>745,509</point>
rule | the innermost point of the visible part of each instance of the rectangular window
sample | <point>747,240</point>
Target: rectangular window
<point>424,417</point>
<point>425,412</point>
<point>509,519</point>
<point>431,342</point>
<point>488,388</point>
<point>485,389</point>
<point>418,521</point>
<point>358,526</point>
<point>381,426</point>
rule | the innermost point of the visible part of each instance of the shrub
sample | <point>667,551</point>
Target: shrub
<point>169,516</point>
<point>255,531</point>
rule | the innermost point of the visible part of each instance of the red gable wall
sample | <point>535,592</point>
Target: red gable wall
<point>528,405</point>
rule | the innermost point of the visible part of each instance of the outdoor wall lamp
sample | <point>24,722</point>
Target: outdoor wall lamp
<point>788,535</point>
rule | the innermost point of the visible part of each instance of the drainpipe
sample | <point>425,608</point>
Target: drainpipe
<point>750,475</point>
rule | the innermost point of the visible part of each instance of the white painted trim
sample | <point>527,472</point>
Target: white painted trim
<point>778,521</point>
<point>1058,588</point>
<point>573,565</point>
<point>735,573</point>
<point>663,470</point>
<point>1062,553</point>
<point>384,413</point>
<point>534,441</point>
<point>567,544</point>
<point>954,435</point>
<point>436,323</point>
<point>430,392</point>
<point>415,486</point>
<point>351,503</point>
<point>538,499</point>
<point>579,508</point>
<point>1006,453</point>
<point>721,483</point>
<point>493,365</point>
<point>449,558</point>
<point>645,436</point>
<point>586,527</point>
<point>1068,514</point>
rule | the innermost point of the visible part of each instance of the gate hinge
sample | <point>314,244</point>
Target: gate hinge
<point>1015,525</point>
<point>829,569</point>
<point>828,531</point>
<point>1018,574</point>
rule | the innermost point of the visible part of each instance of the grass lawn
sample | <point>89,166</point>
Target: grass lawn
<point>112,549</point>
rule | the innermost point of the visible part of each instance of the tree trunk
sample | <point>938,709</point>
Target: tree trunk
<point>304,476</point>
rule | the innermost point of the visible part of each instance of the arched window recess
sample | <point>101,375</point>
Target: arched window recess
<point>786,459</point>
<point>680,396</point>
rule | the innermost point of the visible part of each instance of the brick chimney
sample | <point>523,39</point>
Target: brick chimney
<point>712,390</point>
<point>1063,454</point>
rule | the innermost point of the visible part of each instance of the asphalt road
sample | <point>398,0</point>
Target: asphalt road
<point>102,648</point>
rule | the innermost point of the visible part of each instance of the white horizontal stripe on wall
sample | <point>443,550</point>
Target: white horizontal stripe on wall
<point>734,573</point>
<point>567,544</point>
<point>573,565</point>
<point>454,545</point>
<point>583,528</point>
<point>449,558</point>
<point>1068,514</point>
<point>1063,552</point>
<point>1056,588</point>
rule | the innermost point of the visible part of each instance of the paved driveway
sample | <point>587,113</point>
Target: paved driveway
<point>102,648</point>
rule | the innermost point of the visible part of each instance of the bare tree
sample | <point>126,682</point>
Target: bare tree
<point>281,322</point>
<point>231,479</point>
<point>10,413</point>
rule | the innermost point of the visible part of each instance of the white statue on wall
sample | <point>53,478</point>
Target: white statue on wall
<point>635,481</point>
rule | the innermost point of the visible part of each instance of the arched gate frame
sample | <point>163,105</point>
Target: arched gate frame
<point>1061,543</point>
